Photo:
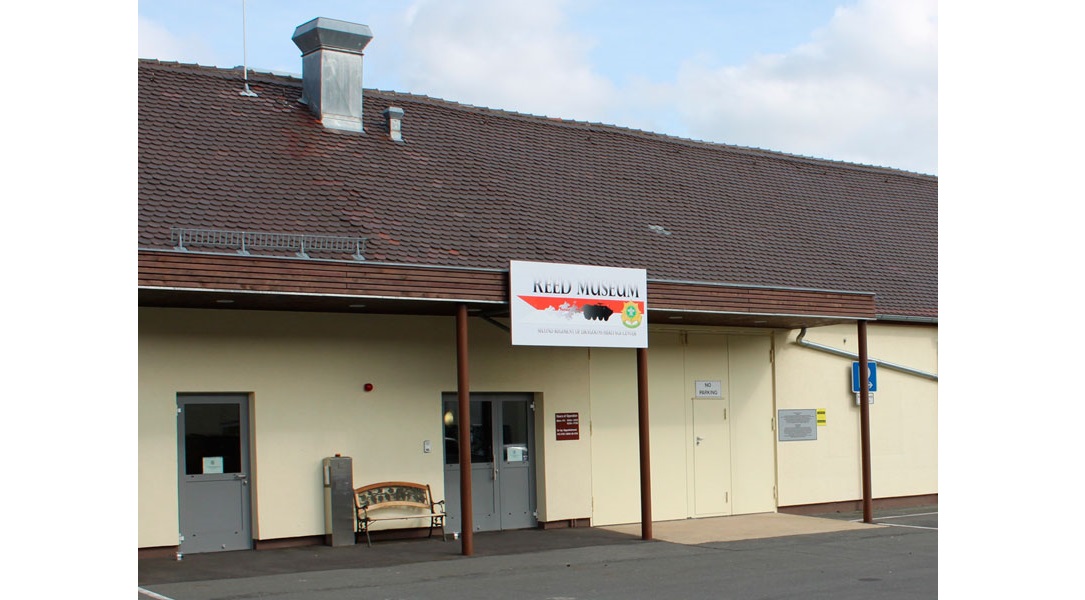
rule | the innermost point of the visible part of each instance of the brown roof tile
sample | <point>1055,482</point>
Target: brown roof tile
<point>474,187</point>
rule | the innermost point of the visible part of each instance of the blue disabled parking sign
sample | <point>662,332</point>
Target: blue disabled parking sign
<point>872,370</point>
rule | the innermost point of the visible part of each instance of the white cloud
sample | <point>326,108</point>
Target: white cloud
<point>863,90</point>
<point>156,41</point>
<point>510,55</point>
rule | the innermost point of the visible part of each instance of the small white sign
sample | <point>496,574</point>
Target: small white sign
<point>212,465</point>
<point>710,389</point>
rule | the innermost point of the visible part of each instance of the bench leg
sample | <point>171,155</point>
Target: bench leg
<point>364,528</point>
<point>440,522</point>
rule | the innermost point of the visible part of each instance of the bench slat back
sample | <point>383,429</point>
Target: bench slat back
<point>396,493</point>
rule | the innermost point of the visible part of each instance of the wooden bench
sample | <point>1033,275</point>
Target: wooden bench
<point>391,494</point>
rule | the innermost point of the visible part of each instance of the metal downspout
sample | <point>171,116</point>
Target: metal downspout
<point>881,364</point>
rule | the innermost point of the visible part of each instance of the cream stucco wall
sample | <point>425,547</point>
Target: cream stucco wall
<point>903,417</point>
<point>559,379</point>
<point>677,359</point>
<point>305,374</point>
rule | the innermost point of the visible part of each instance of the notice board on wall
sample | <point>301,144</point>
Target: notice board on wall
<point>797,425</point>
<point>567,426</point>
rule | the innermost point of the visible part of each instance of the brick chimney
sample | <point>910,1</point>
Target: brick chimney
<point>331,70</point>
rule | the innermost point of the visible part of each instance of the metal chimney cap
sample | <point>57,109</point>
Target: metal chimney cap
<point>323,32</point>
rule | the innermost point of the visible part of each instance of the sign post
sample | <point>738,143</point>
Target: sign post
<point>864,386</point>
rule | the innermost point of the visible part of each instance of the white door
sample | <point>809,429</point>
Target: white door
<point>711,457</point>
<point>753,442</point>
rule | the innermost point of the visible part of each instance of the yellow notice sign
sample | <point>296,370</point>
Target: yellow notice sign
<point>821,417</point>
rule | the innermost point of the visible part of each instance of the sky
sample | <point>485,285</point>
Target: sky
<point>847,80</point>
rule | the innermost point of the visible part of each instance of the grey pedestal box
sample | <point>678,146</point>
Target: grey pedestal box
<point>338,501</point>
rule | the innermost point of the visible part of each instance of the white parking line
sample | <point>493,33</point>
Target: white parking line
<point>150,594</point>
<point>912,515</point>
<point>878,520</point>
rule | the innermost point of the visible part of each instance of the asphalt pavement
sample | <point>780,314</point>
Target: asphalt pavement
<point>748,557</point>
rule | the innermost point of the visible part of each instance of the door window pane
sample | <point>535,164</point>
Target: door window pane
<point>482,432</point>
<point>482,445</point>
<point>514,416</point>
<point>451,419</point>
<point>212,438</point>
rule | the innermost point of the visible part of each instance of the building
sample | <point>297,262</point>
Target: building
<point>312,253</point>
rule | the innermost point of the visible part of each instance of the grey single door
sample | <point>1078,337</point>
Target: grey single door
<point>502,461</point>
<point>515,471</point>
<point>213,466</point>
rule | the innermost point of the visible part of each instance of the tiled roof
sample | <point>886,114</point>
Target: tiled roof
<point>475,187</point>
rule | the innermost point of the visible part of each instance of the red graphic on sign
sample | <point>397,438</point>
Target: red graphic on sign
<point>560,303</point>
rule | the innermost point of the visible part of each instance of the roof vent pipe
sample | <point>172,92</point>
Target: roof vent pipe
<point>395,123</point>
<point>245,55</point>
<point>331,70</point>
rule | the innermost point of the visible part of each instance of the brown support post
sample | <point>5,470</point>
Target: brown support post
<point>864,424</point>
<point>463,387</point>
<point>645,469</point>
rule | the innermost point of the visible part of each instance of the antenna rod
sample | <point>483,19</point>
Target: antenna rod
<point>245,54</point>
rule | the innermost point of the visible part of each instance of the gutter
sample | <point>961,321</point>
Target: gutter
<point>888,365</point>
<point>905,319</point>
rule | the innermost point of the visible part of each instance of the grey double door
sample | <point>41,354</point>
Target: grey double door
<point>502,461</point>
<point>213,465</point>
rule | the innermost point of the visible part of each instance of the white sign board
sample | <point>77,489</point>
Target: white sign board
<point>577,305</point>
<point>709,389</point>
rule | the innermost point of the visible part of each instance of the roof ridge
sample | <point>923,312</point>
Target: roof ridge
<point>295,80</point>
<point>664,137</point>
<point>279,76</point>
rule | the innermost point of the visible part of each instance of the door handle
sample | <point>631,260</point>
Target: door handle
<point>699,440</point>
<point>495,470</point>
<point>244,479</point>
